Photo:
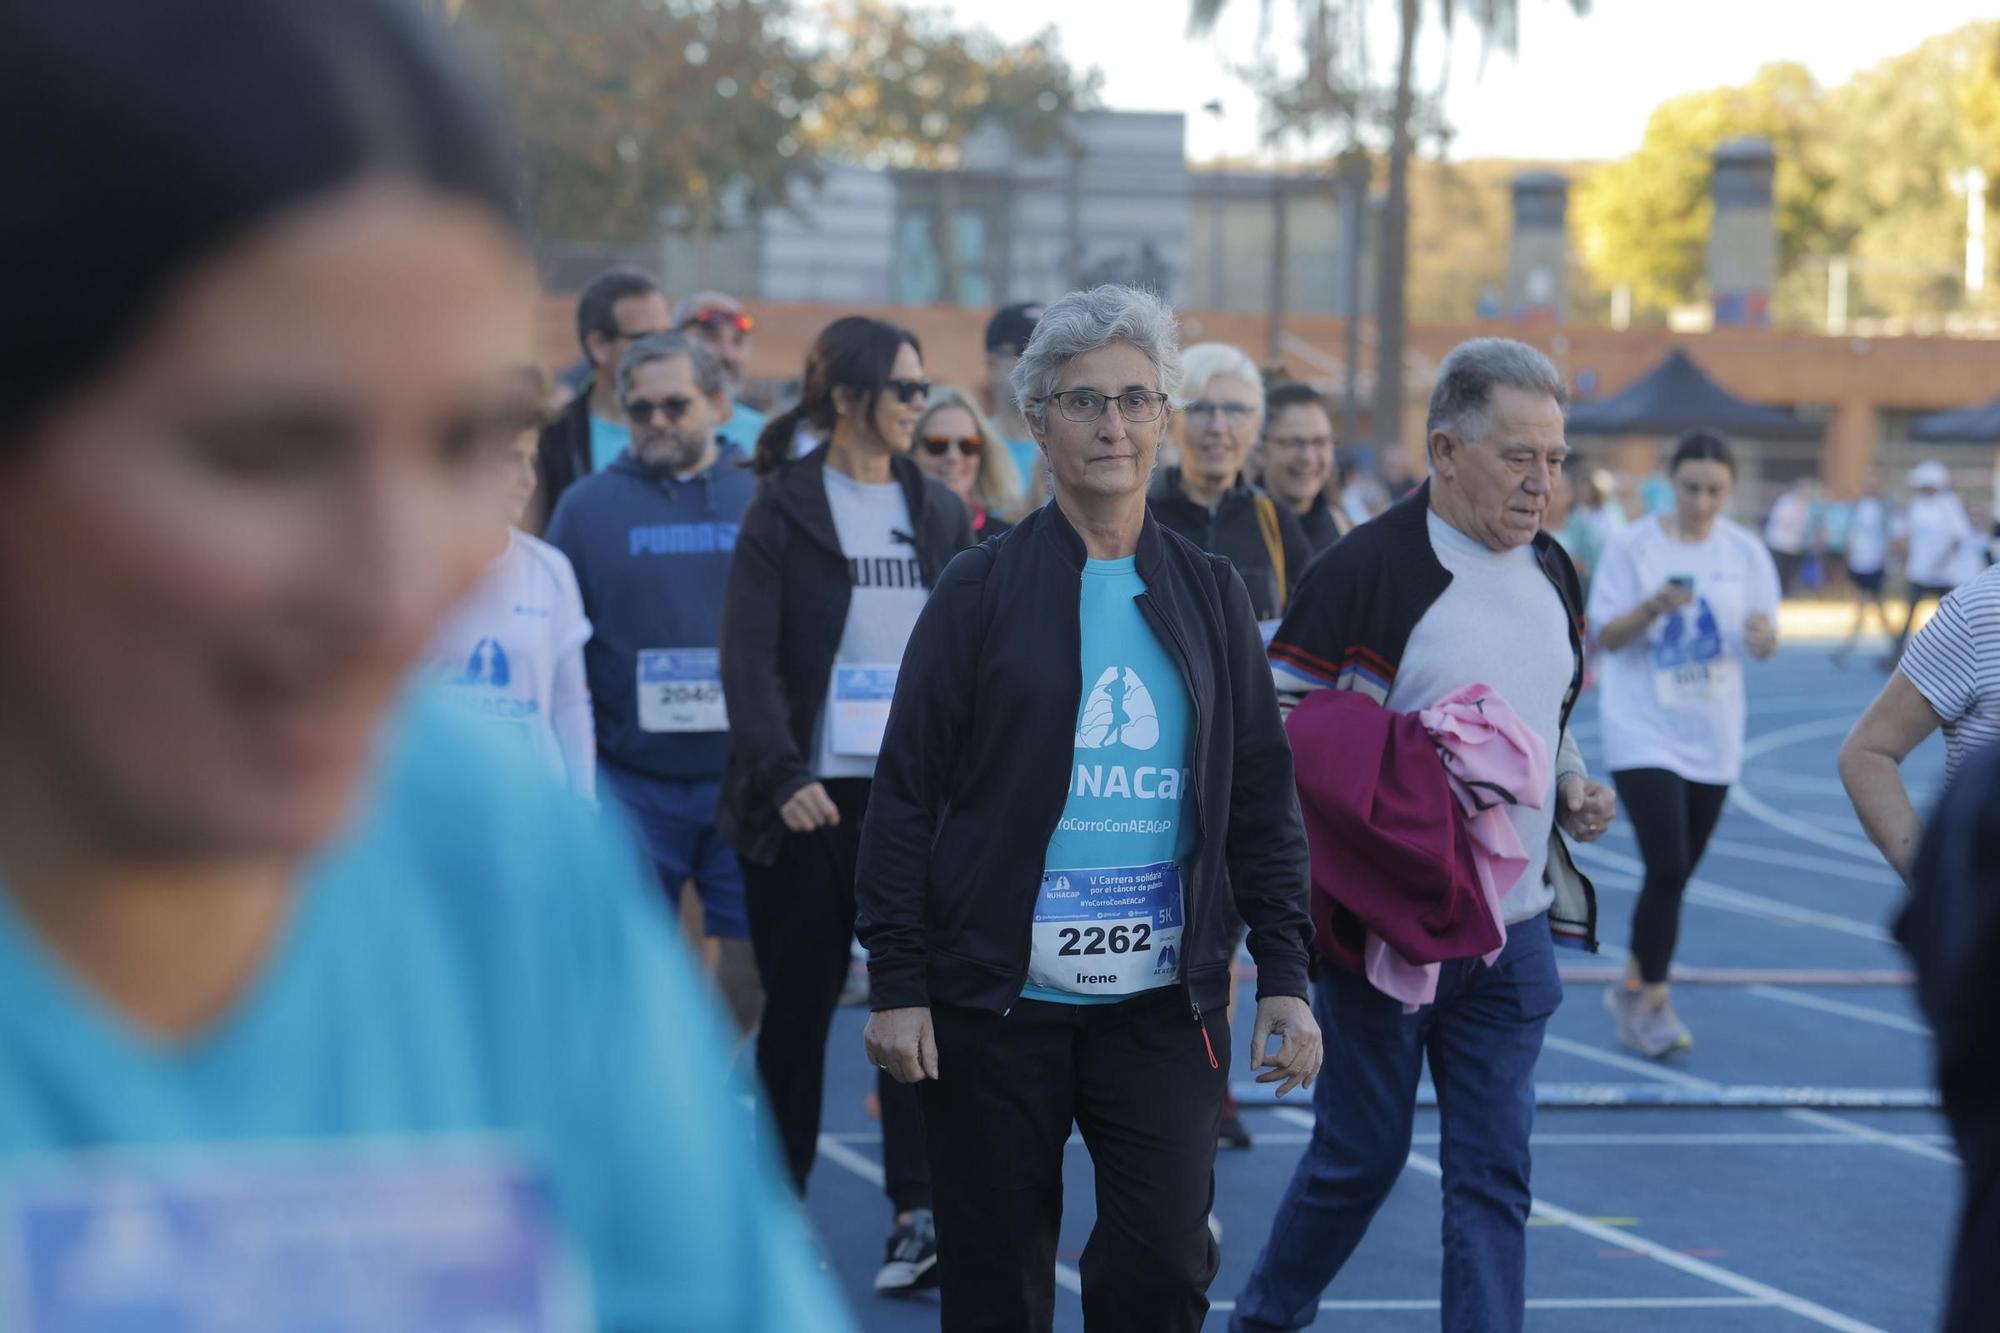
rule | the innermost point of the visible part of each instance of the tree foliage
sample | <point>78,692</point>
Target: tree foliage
<point>1865,171</point>
<point>626,108</point>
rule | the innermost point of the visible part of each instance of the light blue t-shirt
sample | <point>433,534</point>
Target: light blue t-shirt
<point>1027,455</point>
<point>478,1010</point>
<point>608,439</point>
<point>742,428</point>
<point>1129,806</point>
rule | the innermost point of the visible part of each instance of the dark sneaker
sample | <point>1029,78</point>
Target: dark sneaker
<point>911,1263</point>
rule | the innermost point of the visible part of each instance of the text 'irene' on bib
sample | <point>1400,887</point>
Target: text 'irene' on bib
<point>861,697</point>
<point>1109,931</point>
<point>680,690</point>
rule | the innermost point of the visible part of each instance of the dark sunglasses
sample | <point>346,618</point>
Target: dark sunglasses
<point>644,409</point>
<point>937,446</point>
<point>721,320</point>
<point>909,392</point>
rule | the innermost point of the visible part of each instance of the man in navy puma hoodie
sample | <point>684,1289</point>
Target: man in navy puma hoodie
<point>651,537</point>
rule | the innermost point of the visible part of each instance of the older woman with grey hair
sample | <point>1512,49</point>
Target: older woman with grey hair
<point>1083,784</point>
<point>1208,499</point>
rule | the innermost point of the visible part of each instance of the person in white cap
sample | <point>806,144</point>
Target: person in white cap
<point>1937,535</point>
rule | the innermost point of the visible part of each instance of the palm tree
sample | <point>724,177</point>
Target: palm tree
<point>1498,23</point>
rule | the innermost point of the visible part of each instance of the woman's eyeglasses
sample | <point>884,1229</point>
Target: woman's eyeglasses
<point>1085,405</point>
<point>645,409</point>
<point>937,446</point>
<point>909,392</point>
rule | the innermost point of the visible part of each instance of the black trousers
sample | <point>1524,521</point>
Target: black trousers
<point>1673,819</point>
<point>1915,595</point>
<point>801,926</point>
<point>1136,1079</point>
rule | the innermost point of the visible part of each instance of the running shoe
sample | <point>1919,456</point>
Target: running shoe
<point>1665,1032</point>
<point>1655,1033</point>
<point>911,1262</point>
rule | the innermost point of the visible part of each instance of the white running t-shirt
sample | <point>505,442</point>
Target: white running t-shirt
<point>512,652</point>
<point>1673,698</point>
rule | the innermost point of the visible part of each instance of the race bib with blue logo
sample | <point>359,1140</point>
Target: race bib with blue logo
<point>680,690</point>
<point>291,1241</point>
<point>1112,931</point>
<point>861,697</point>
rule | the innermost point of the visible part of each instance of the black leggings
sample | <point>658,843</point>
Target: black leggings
<point>1672,818</point>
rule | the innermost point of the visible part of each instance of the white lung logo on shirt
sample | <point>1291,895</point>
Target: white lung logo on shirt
<point>1128,719</point>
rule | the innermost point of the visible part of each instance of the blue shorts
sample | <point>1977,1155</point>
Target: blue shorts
<point>677,821</point>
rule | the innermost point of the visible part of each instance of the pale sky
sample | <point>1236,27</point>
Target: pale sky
<point>1581,87</point>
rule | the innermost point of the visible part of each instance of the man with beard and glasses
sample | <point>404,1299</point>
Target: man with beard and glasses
<point>651,537</point>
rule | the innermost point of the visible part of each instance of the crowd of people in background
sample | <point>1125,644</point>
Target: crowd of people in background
<point>1058,691</point>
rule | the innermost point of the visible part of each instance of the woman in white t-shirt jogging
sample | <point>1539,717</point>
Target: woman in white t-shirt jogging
<point>1681,600</point>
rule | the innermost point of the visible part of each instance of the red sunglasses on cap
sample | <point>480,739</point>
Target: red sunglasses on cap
<point>722,320</point>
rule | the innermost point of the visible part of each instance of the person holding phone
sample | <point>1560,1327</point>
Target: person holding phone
<point>1681,600</point>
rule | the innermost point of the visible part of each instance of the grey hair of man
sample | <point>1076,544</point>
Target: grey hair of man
<point>1469,374</point>
<point>711,377</point>
<point>1082,322</point>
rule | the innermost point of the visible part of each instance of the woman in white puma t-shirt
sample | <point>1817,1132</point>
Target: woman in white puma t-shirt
<point>1680,601</point>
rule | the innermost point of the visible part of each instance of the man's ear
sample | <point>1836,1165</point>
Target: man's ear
<point>598,348</point>
<point>1443,451</point>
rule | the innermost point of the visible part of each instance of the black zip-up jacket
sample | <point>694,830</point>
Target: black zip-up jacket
<point>1353,617</point>
<point>783,613</point>
<point>975,769</point>
<point>562,453</point>
<point>1233,531</point>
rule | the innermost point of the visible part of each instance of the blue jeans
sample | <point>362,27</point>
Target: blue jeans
<point>676,820</point>
<point>1483,1036</point>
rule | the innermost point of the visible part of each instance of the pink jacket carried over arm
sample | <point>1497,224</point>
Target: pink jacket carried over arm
<point>1406,819</point>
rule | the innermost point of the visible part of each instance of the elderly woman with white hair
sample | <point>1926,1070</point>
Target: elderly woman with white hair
<point>1083,785</point>
<point>1208,499</point>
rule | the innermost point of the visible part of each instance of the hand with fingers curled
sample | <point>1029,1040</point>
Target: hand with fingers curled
<point>1296,1061</point>
<point>902,1043</point>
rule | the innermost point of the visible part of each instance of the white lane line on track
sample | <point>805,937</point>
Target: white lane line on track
<point>1627,870</point>
<point>1748,801</point>
<point>1665,1074</point>
<point>1575,1140</point>
<point>1560,1303</point>
<point>1861,1013</point>
<point>1771,856</point>
<point>1624,1239</point>
<point>835,1150</point>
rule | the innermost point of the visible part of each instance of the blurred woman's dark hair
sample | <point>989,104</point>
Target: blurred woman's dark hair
<point>144,137</point>
<point>855,353</point>
<point>1700,446</point>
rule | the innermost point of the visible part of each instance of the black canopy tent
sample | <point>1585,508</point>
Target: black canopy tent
<point>1976,425</point>
<point>1677,396</point>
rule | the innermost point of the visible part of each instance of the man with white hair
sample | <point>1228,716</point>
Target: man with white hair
<point>1083,785</point>
<point>1454,586</point>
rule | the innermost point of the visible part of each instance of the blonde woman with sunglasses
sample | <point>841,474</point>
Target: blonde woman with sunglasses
<point>957,445</point>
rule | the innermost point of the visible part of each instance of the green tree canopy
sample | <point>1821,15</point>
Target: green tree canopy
<point>628,107</point>
<point>1864,171</point>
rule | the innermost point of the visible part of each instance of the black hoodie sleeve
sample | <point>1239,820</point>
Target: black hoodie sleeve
<point>929,721</point>
<point>753,688</point>
<point>1266,851</point>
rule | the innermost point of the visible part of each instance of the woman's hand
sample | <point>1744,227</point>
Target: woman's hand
<point>810,808</point>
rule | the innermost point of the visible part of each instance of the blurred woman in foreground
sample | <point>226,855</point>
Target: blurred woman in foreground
<point>282,943</point>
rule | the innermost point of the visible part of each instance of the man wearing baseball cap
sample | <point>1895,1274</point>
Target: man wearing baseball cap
<point>718,319</point>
